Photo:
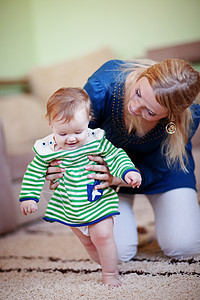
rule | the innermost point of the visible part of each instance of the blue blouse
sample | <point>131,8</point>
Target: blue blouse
<point>106,90</point>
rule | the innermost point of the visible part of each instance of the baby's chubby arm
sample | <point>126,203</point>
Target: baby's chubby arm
<point>28,207</point>
<point>133,178</point>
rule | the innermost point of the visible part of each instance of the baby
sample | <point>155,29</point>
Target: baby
<point>76,201</point>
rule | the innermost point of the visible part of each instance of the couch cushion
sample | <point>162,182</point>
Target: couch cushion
<point>23,122</point>
<point>44,81</point>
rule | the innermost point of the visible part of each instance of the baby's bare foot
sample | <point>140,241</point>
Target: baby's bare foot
<point>111,279</point>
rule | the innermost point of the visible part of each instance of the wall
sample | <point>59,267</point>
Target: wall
<point>42,32</point>
<point>17,43</point>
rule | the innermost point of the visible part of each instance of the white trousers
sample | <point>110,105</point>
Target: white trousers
<point>177,221</point>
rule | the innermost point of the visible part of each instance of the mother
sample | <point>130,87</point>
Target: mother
<point>150,110</point>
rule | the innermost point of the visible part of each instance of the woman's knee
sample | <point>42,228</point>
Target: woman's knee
<point>178,247</point>
<point>125,229</point>
<point>126,253</point>
<point>177,216</point>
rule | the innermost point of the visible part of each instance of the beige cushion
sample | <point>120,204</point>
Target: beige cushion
<point>23,122</point>
<point>45,81</point>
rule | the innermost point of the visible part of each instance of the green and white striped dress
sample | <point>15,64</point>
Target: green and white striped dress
<point>75,202</point>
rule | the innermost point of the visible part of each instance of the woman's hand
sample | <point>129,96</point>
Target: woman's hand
<point>53,173</point>
<point>101,173</point>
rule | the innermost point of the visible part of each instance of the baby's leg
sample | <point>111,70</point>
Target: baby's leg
<point>102,236</point>
<point>87,243</point>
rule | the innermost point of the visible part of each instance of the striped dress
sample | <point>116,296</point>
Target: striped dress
<point>75,202</point>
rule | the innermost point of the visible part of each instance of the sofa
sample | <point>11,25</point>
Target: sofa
<point>22,121</point>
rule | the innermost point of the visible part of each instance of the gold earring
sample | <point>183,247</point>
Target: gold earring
<point>170,128</point>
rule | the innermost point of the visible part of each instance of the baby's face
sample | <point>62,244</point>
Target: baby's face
<point>71,135</point>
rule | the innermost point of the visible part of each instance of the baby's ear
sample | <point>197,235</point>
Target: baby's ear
<point>89,119</point>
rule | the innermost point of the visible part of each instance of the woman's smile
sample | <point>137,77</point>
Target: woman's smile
<point>131,110</point>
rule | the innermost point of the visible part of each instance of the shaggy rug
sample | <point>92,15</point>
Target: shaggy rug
<point>46,261</point>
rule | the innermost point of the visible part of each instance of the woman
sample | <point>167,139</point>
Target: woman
<point>149,109</point>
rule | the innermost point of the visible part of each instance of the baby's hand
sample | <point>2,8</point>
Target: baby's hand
<point>133,178</point>
<point>28,207</point>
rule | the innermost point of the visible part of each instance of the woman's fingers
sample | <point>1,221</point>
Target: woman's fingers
<point>54,173</point>
<point>101,173</point>
<point>53,185</point>
<point>102,185</point>
<point>111,181</point>
<point>55,162</point>
<point>98,159</point>
<point>53,176</point>
<point>97,168</point>
<point>104,177</point>
<point>99,176</point>
<point>52,170</point>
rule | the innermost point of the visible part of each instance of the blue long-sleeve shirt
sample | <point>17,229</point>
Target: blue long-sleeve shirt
<point>106,90</point>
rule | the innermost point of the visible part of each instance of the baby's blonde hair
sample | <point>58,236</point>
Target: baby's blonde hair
<point>63,104</point>
<point>176,86</point>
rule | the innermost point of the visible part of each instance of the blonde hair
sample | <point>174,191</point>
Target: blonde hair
<point>176,85</point>
<point>63,104</point>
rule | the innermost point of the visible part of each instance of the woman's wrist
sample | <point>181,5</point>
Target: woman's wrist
<point>117,183</point>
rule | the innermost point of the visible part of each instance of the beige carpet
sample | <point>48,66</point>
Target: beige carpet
<point>46,261</point>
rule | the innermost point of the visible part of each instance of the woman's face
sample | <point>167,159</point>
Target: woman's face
<point>143,103</point>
